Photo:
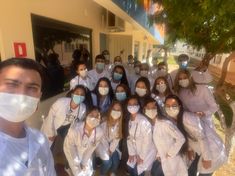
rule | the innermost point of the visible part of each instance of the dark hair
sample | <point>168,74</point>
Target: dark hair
<point>146,82</point>
<point>96,91</point>
<point>124,78</point>
<point>161,63</point>
<point>180,124</point>
<point>77,54</point>
<point>92,108</point>
<point>138,101</point>
<point>156,92</point>
<point>24,63</point>
<point>53,59</point>
<point>151,100</point>
<point>183,57</point>
<point>88,99</point>
<point>79,63</point>
<point>105,52</point>
<point>125,87</point>
<point>192,85</point>
<point>99,56</point>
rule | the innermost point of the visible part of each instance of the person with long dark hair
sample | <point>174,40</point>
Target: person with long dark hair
<point>142,90</point>
<point>82,77</point>
<point>170,139</point>
<point>102,95</point>
<point>122,92</point>
<point>206,149</point>
<point>153,113</point>
<point>64,112</point>
<point>118,76</point>
<point>160,90</point>
<point>141,150</point>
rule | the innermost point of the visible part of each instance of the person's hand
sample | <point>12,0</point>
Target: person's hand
<point>191,155</point>
<point>139,160</point>
<point>131,158</point>
<point>200,114</point>
<point>206,163</point>
<point>52,138</point>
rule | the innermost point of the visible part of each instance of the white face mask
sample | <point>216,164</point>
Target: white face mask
<point>144,73</point>
<point>17,108</point>
<point>141,92</point>
<point>92,121</point>
<point>83,73</point>
<point>133,109</point>
<point>115,114</point>
<point>151,113</point>
<point>184,83</point>
<point>172,112</point>
<point>161,88</point>
<point>103,90</point>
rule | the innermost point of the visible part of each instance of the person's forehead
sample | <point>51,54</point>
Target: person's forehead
<point>151,104</point>
<point>21,74</point>
<point>171,101</point>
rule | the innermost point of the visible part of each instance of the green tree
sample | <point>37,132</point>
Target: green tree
<point>208,24</point>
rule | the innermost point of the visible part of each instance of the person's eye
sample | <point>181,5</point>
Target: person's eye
<point>33,88</point>
<point>11,84</point>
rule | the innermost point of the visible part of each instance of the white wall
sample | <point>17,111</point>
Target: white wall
<point>15,20</point>
<point>116,43</point>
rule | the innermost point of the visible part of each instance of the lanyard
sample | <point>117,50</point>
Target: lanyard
<point>135,131</point>
<point>84,133</point>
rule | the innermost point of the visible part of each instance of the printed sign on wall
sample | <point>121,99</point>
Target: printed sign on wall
<point>20,49</point>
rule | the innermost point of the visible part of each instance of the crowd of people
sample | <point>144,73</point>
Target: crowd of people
<point>123,116</point>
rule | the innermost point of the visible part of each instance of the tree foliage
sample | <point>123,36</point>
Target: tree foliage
<point>208,24</point>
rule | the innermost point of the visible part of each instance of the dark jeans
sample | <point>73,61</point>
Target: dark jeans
<point>110,165</point>
<point>157,169</point>
<point>133,171</point>
<point>192,170</point>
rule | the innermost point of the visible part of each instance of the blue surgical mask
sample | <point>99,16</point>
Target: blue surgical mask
<point>77,99</point>
<point>121,96</point>
<point>183,64</point>
<point>100,65</point>
<point>117,76</point>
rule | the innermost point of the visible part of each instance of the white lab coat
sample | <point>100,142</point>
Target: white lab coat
<point>205,142</point>
<point>109,142</point>
<point>96,76</point>
<point>79,81</point>
<point>57,116</point>
<point>197,138</point>
<point>217,149</point>
<point>40,160</point>
<point>140,142</point>
<point>78,148</point>
<point>202,100</point>
<point>169,140</point>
